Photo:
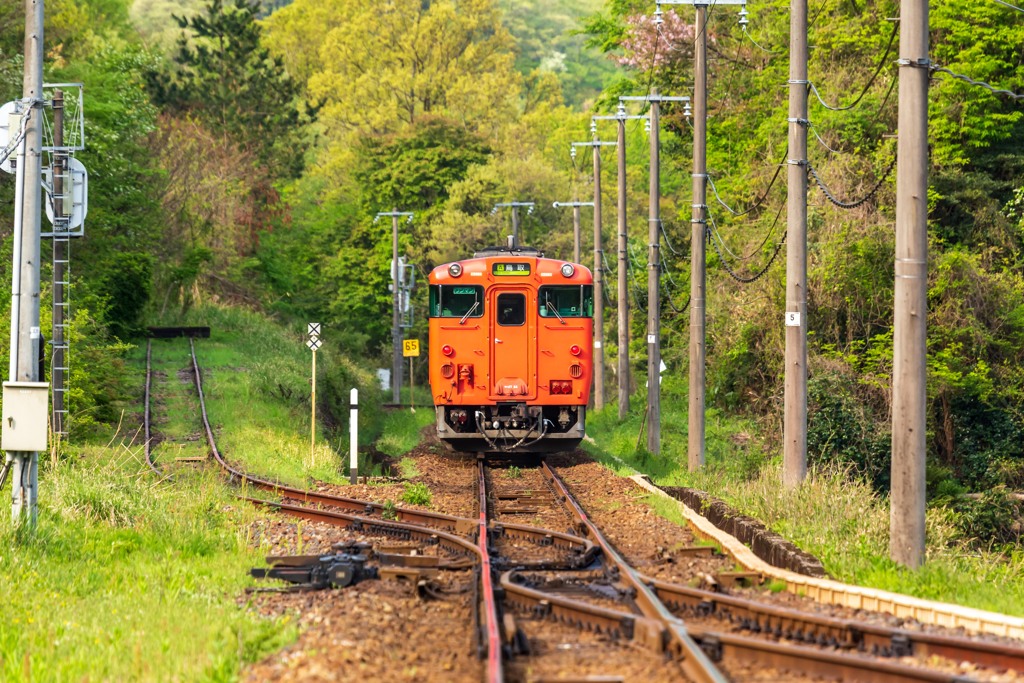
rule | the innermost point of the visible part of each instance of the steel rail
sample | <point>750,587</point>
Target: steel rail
<point>494,665</point>
<point>404,530</point>
<point>695,663</point>
<point>876,639</point>
<point>649,633</point>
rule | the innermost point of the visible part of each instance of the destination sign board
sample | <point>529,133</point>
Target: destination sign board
<point>510,269</point>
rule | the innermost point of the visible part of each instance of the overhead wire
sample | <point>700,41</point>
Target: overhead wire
<point>878,70</point>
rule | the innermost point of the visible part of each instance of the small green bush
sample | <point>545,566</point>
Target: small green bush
<point>416,493</point>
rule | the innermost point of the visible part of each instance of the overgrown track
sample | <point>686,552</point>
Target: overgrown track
<point>841,648</point>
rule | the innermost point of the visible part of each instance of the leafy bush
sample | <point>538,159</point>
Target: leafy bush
<point>416,494</point>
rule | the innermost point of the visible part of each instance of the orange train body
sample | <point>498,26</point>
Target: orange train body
<point>511,351</point>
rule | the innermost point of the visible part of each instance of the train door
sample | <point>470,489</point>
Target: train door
<point>513,360</point>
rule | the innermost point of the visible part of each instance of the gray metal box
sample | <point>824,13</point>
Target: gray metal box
<point>25,413</point>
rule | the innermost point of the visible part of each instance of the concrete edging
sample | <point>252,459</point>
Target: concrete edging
<point>827,591</point>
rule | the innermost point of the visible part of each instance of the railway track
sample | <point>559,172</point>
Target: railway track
<point>710,634</point>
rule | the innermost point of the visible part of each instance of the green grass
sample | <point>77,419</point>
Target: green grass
<point>126,578</point>
<point>401,430</point>
<point>832,515</point>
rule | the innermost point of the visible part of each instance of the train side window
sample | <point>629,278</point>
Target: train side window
<point>566,301</point>
<point>456,301</point>
<point>511,309</point>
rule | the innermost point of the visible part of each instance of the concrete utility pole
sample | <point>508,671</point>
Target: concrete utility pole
<point>598,269</point>
<point>623,263</point>
<point>698,253</point>
<point>575,224</point>
<point>654,273</point>
<point>396,314</point>
<point>795,402</point>
<point>396,306</point>
<point>698,244</point>
<point>515,216</point>
<point>907,514</point>
<point>25,297</point>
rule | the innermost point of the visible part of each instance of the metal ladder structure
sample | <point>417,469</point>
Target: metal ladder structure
<point>66,196</point>
<point>60,343</point>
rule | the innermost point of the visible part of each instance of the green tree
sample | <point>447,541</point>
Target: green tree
<point>227,79</point>
<point>390,64</point>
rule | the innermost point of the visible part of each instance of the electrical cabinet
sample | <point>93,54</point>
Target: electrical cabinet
<point>25,416</point>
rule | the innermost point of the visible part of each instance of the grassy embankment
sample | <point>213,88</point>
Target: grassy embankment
<point>132,578</point>
<point>833,516</point>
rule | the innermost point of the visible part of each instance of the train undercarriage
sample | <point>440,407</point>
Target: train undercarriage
<point>511,426</point>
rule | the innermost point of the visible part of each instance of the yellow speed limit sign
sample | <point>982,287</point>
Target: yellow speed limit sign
<point>411,347</point>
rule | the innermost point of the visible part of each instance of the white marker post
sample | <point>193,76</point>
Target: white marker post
<point>353,435</point>
<point>313,331</point>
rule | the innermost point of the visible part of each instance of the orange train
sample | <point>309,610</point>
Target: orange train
<point>511,351</point>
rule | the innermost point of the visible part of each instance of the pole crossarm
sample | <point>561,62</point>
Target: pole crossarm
<point>595,143</point>
<point>559,205</point>
<point>619,117</point>
<point>653,98</point>
<point>503,205</point>
<point>381,214</point>
<point>700,3</point>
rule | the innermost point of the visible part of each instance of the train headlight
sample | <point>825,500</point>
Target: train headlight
<point>448,350</point>
<point>455,269</point>
<point>568,269</point>
<point>575,349</point>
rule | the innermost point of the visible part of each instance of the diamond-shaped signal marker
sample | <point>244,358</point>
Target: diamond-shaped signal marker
<point>313,329</point>
<point>314,343</point>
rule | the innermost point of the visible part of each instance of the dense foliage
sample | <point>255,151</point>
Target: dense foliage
<point>239,152</point>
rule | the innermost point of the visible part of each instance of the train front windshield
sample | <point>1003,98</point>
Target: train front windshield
<point>566,301</point>
<point>456,301</point>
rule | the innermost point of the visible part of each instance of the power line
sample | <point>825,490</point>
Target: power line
<point>1009,5</point>
<point>878,70</point>
<point>983,84</point>
<point>854,204</point>
<point>778,170</point>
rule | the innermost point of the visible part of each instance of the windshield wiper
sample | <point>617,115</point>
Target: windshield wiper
<point>469,312</point>
<point>554,309</point>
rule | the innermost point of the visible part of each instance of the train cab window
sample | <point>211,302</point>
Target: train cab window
<point>456,301</point>
<point>511,309</point>
<point>566,301</point>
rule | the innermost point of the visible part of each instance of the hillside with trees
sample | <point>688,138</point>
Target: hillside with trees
<point>238,156</point>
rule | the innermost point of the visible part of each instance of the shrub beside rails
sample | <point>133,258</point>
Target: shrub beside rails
<point>511,351</point>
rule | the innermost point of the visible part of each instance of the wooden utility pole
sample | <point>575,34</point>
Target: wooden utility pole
<point>907,511</point>
<point>698,243</point>
<point>25,295</point>
<point>795,392</point>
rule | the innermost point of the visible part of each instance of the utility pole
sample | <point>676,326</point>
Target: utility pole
<point>575,224</point>
<point>515,216</point>
<point>698,252</point>
<point>596,145</point>
<point>396,307</point>
<point>698,244</point>
<point>25,297</point>
<point>623,264</point>
<point>907,508</point>
<point>794,430</point>
<point>654,273</point>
